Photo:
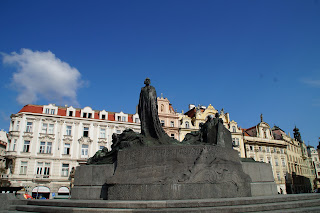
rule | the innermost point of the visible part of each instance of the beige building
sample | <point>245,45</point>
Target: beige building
<point>191,120</point>
<point>315,164</point>
<point>47,142</point>
<point>169,119</point>
<point>3,146</point>
<point>261,145</point>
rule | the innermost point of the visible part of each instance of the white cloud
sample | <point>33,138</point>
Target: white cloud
<point>43,75</point>
<point>312,82</point>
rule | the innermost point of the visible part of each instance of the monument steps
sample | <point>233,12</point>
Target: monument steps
<point>278,203</point>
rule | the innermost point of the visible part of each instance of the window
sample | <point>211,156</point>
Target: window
<point>137,120</point>
<point>283,162</point>
<point>274,149</point>
<point>86,132</point>
<point>162,122</point>
<point>251,148</point>
<point>124,119</point>
<point>44,128</point>
<point>261,159</point>
<point>172,123</point>
<point>52,111</point>
<point>84,151</point>
<point>47,110</point>
<point>47,130</point>
<point>260,149</point>
<point>65,170</point>
<point>172,136</point>
<point>39,168</point>
<point>84,114</point>
<point>235,141</point>
<point>51,129</point>
<point>42,147</point>
<point>118,131</point>
<point>102,133</point>
<point>233,129</point>
<point>278,176</point>
<point>103,117</point>
<point>119,118</point>
<point>281,150</point>
<point>18,126</point>
<point>23,167</point>
<point>45,147</point>
<point>101,147</point>
<point>276,161</point>
<point>187,124</point>
<point>268,149</point>
<point>26,146</point>
<point>68,130</point>
<point>43,168</point>
<point>89,115</point>
<point>66,149</point>
<point>29,127</point>
<point>269,160</point>
<point>14,145</point>
<point>70,113</point>
<point>265,133</point>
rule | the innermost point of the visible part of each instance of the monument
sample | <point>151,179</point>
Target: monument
<point>153,166</point>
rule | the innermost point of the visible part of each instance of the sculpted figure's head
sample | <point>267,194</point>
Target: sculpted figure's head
<point>147,81</point>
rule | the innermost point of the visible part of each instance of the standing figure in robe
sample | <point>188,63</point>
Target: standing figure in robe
<point>148,113</point>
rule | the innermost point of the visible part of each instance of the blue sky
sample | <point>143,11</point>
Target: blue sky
<point>248,57</point>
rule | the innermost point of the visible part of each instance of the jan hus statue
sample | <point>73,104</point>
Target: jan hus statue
<point>148,113</point>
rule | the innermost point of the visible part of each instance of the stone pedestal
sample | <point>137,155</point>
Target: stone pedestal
<point>262,178</point>
<point>172,172</point>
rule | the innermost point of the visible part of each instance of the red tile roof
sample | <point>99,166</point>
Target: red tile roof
<point>32,108</point>
<point>62,111</point>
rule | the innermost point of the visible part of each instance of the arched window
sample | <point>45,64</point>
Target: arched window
<point>187,124</point>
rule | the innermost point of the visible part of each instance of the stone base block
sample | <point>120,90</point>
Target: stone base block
<point>174,191</point>
<point>262,178</point>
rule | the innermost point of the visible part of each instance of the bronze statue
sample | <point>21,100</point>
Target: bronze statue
<point>148,113</point>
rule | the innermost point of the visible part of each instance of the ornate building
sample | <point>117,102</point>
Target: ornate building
<point>3,146</point>
<point>169,119</point>
<point>261,145</point>
<point>192,119</point>
<point>47,142</point>
<point>315,164</point>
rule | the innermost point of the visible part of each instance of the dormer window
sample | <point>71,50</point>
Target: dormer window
<point>103,115</point>
<point>50,109</point>
<point>124,119</point>
<point>71,111</point>
<point>87,112</point>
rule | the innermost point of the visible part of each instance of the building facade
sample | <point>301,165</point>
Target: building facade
<point>168,117</point>
<point>3,147</point>
<point>195,116</point>
<point>261,145</point>
<point>47,142</point>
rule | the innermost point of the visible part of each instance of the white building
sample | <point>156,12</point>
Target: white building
<point>46,142</point>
